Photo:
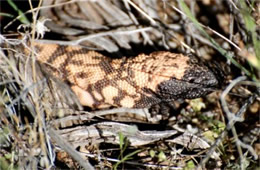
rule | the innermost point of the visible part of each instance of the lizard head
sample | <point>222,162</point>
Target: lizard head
<point>197,81</point>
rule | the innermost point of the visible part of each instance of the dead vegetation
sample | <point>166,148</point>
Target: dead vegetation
<point>42,124</point>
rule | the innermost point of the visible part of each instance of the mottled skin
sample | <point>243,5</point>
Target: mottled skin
<point>135,82</point>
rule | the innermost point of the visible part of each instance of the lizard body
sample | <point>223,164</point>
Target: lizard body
<point>135,82</point>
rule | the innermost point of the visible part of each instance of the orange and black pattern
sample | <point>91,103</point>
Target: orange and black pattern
<point>137,82</point>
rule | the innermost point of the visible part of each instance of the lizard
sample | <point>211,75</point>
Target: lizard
<point>133,82</point>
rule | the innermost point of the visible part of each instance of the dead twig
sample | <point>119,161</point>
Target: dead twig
<point>233,118</point>
<point>67,147</point>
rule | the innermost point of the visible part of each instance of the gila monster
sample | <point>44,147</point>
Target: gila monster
<point>133,82</point>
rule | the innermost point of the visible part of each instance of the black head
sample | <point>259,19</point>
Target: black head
<point>197,81</point>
